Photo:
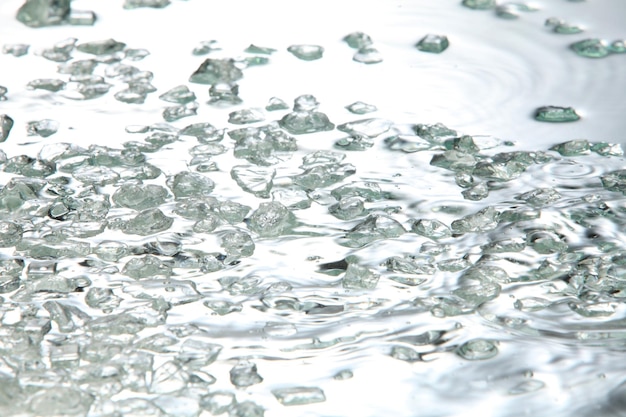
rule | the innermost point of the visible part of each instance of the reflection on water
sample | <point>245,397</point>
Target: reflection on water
<point>179,240</point>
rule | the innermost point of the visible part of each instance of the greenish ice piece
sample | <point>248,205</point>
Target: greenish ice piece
<point>481,221</point>
<point>102,47</point>
<point>511,10</point>
<point>48,84</point>
<point>219,402</point>
<point>190,184</point>
<point>303,122</point>
<point>306,52</point>
<point>111,251</point>
<point>148,266</point>
<point>615,181</point>
<point>237,244</point>
<point>433,43</point>
<point>561,27</point>
<point>354,143</point>
<point>40,13</point>
<point>136,54</point>
<point>131,96</point>
<point>43,128</point>
<point>15,49</point>
<point>347,208</point>
<point>148,222</point>
<point>359,277</point>
<point>374,227</point>
<point>299,395</point>
<point>478,192</point>
<point>323,175</point>
<point>3,93</point>
<point>81,18</point>
<point>155,4</point>
<point>479,4</point>
<point>545,242</point>
<point>433,229</point>
<point>477,349</point>
<point>276,103</point>
<point>10,234</point>
<point>254,49</point>
<point>6,124</point>
<point>205,47</point>
<point>359,107</point>
<point>224,95</point>
<point>246,116</point>
<point>204,132</point>
<point>254,180</point>
<point>216,71</point>
<point>555,114</point>
<point>618,47</point>
<point>454,160</point>
<point>591,48</point>
<point>368,55</point>
<point>370,191</point>
<point>139,196</point>
<point>271,220</point>
<point>171,114</point>
<point>358,40</point>
<point>410,265</point>
<point>371,128</point>
<point>573,147</point>
<point>245,374</point>
<point>267,145</point>
<point>179,94</point>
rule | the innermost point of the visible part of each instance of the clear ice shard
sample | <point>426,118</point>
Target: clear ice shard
<point>615,181</point>
<point>148,266</point>
<point>237,244</point>
<point>254,49</point>
<point>48,84</point>
<point>573,147</point>
<point>359,107</point>
<point>216,71</point>
<point>433,43</point>
<point>6,124</point>
<point>39,13</point>
<point>556,114</point>
<point>366,127</point>
<point>305,118</point>
<point>266,145</point>
<point>481,221</point>
<point>271,219</point>
<point>368,55</point>
<point>218,402</point>
<point>43,128</point>
<point>254,180</point>
<point>299,395</point>
<point>171,114</point>
<point>374,227</point>
<point>204,132</point>
<point>347,208</point>
<point>562,27</point>
<point>245,374</point>
<point>148,222</point>
<point>10,234</point>
<point>205,47</point>
<point>477,349</point>
<point>479,4</point>
<point>359,277</point>
<point>275,104</point>
<point>190,184</point>
<point>591,48</point>
<point>179,94</point>
<point>3,93</point>
<point>139,196</point>
<point>15,49</point>
<point>358,40</point>
<point>306,52</point>
<point>155,4</point>
<point>103,47</point>
<point>246,116</point>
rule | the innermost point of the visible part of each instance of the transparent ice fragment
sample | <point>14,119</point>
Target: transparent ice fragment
<point>359,107</point>
<point>618,47</point>
<point>573,147</point>
<point>546,242</point>
<point>10,234</point>
<point>433,43</point>
<point>78,67</point>
<point>171,114</point>
<point>271,220</point>
<point>504,246</point>
<point>374,227</point>
<point>370,191</point>
<point>216,71</point>
<point>223,307</point>
<point>131,96</point>
<point>562,27</point>
<point>148,222</point>
<point>357,40</point>
<point>293,198</point>
<point>257,181</point>
<point>410,265</point>
<point>48,84</point>
<point>556,114</point>
<point>475,295</point>
<point>179,94</point>
<point>3,92</point>
<point>224,94</point>
<point>15,49</point>
<point>247,409</point>
<point>477,349</point>
<point>591,48</point>
<point>245,374</point>
<point>359,277</point>
<point>205,47</point>
<point>232,211</point>
<point>301,122</point>
<point>197,353</point>
<point>615,181</point>
<point>511,10</point>
<point>266,145</point>
<point>275,103</point>
<point>366,127</point>
<point>299,395</point>
<point>531,304</point>
<point>481,221</point>
<point>39,13</point>
<point>65,355</point>
<point>168,378</point>
<point>155,4</point>
<point>246,116</point>
<point>43,128</point>
<point>218,402</point>
<point>139,196</point>
<point>81,17</point>
<point>59,400</point>
<point>368,55</point>
<point>405,353</point>
<point>454,160</point>
<point>102,298</point>
<point>540,197</point>
<point>479,4</point>
<point>323,175</point>
<point>237,244</point>
<point>594,309</point>
<point>204,132</point>
<point>96,175</point>
<point>189,184</point>
<point>102,47</point>
<point>6,124</point>
<point>306,52</point>
<point>477,192</point>
<point>347,208</point>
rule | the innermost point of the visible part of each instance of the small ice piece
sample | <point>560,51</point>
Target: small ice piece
<point>43,128</point>
<point>130,96</point>
<point>481,221</point>
<point>406,354</point>
<point>15,49</point>
<point>299,395</point>
<point>323,175</point>
<point>148,266</point>
<point>79,67</point>
<point>6,124</point>
<point>358,40</point>
<point>359,107</point>
<point>103,47</point>
<point>562,27</point>
<point>477,192</point>
<point>359,277</point>
<point>271,220</point>
<point>254,49</point>
<point>347,208</point>
<point>370,191</point>
<point>366,127</point>
<point>3,93</point>
<point>245,374</point>
<point>573,147</point>
<point>39,13</point>
<point>275,103</point>
<point>224,95</point>
<point>10,234</point>
<point>254,180</point>
<point>410,265</point>
<point>368,55</point>
<point>148,222</point>
<point>433,43</point>
<point>479,4</point>
<point>205,47</point>
<point>196,353</point>
<point>48,84</point>
<point>545,242</point>
<point>477,349</point>
<point>189,184</point>
<point>179,94</point>
<point>171,114</point>
<point>306,52</point>
<point>204,132</point>
<point>618,46</point>
<point>246,116</point>
<point>615,181</point>
<point>237,244</point>
<point>216,71</point>
<point>218,402</point>
<point>299,123</point>
<point>511,10</point>
<point>555,114</point>
<point>81,18</point>
<point>155,4</point>
<point>374,227</point>
<point>139,196</point>
<point>136,54</point>
<point>591,48</point>
<point>354,143</point>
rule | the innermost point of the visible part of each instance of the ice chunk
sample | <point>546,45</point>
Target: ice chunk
<point>232,211</point>
<point>271,219</point>
<point>367,127</point>
<point>301,122</point>
<point>615,181</point>
<point>237,244</point>
<point>591,48</point>
<point>146,267</point>
<point>254,180</point>
<point>479,4</point>
<point>148,222</point>
<point>48,84</point>
<point>102,298</point>
<point>562,27</point>
<point>218,402</point>
<point>81,17</point>
<point>43,128</point>
<point>179,94</point>
<point>6,124</point>
<point>15,49</point>
<point>59,400</point>
<point>204,132</point>
<point>347,208</point>
<point>481,221</point>
<point>433,43</point>
<point>294,198</point>
<point>39,13</point>
<point>224,94</point>
<point>477,349</point>
<point>3,92</point>
<point>618,47</point>
<point>540,197</point>
<point>266,145</point>
<point>476,192</point>
<point>155,4</point>
<point>357,40</point>
<point>368,55</point>
<point>275,103</point>
<point>410,265</point>
<point>359,277</point>
<point>171,114</point>
<point>306,52</point>
<point>573,147</point>
<point>454,160</point>
<point>168,378</point>
<point>103,47</point>
<point>216,71</point>
<point>374,227</point>
<point>245,374</point>
<point>189,184</point>
<point>511,10</point>
<point>205,47</point>
<point>10,234</point>
<point>359,107</point>
<point>299,395</point>
<point>405,353</point>
<point>140,196</point>
<point>323,175</point>
<point>556,114</point>
<point>370,191</point>
<point>246,116</point>
<point>545,242</point>
<point>197,353</point>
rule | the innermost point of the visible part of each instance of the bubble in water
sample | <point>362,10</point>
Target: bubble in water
<point>477,349</point>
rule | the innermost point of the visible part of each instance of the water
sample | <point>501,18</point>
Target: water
<point>321,262</point>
